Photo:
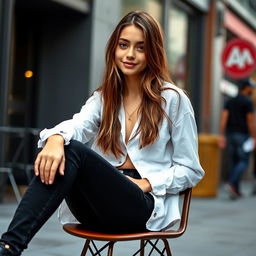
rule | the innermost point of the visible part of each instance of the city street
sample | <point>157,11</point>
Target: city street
<point>167,88</point>
<point>217,227</point>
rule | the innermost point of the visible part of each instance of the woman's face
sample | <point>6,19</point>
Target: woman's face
<point>130,55</point>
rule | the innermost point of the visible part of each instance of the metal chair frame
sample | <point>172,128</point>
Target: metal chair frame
<point>9,172</point>
<point>7,167</point>
<point>145,238</point>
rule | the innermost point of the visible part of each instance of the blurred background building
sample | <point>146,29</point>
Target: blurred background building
<point>52,54</point>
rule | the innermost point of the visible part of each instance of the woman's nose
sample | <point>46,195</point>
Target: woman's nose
<point>130,53</point>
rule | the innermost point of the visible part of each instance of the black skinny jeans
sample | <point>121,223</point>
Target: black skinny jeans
<point>99,196</point>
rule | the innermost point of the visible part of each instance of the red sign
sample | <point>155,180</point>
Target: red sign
<point>238,58</point>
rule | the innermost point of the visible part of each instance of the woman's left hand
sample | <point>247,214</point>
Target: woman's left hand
<point>144,184</point>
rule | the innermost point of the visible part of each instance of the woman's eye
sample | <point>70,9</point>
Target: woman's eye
<point>140,48</point>
<point>122,45</point>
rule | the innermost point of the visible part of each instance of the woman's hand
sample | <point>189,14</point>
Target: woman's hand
<point>50,159</point>
<point>144,184</point>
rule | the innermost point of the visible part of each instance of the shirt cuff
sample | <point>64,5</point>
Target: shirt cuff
<point>158,184</point>
<point>46,133</point>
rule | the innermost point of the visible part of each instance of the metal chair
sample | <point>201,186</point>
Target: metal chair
<point>8,166</point>
<point>145,238</point>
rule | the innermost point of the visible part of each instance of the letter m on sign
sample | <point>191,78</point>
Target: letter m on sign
<point>241,58</point>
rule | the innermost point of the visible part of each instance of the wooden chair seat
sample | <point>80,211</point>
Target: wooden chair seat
<point>145,237</point>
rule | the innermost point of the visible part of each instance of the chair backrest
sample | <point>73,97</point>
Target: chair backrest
<point>185,211</point>
<point>186,194</point>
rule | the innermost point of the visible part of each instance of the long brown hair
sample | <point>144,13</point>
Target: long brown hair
<point>152,79</point>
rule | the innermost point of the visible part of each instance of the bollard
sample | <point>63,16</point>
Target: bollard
<point>209,155</point>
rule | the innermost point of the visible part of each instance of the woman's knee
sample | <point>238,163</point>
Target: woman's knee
<point>76,151</point>
<point>73,152</point>
<point>75,144</point>
<point>75,147</point>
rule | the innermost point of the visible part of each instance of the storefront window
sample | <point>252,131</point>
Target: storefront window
<point>153,7</point>
<point>177,45</point>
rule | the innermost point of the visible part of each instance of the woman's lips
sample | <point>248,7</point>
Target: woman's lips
<point>129,64</point>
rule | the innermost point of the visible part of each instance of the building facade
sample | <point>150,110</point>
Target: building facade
<point>52,53</point>
<point>62,43</point>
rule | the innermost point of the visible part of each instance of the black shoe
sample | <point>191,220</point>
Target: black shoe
<point>5,250</point>
<point>232,192</point>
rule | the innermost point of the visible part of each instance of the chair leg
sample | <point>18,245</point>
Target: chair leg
<point>85,248</point>
<point>142,246</point>
<point>154,246</point>
<point>89,244</point>
<point>167,247</point>
<point>110,248</point>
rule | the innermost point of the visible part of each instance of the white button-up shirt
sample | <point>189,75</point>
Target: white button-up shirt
<point>171,163</point>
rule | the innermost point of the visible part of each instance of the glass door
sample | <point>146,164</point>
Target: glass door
<point>178,45</point>
<point>184,46</point>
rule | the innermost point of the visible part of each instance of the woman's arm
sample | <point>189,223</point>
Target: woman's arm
<point>186,170</point>
<point>82,127</point>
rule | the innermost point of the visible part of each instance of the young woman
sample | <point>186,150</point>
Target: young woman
<point>144,151</point>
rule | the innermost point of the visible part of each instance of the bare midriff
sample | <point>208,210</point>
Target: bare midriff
<point>128,130</point>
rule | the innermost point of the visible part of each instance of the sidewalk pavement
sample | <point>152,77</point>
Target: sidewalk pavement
<point>217,227</point>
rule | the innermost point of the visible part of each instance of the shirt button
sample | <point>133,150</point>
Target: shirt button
<point>155,214</point>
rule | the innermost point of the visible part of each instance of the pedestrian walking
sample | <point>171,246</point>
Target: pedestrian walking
<point>253,191</point>
<point>237,131</point>
<point>144,148</point>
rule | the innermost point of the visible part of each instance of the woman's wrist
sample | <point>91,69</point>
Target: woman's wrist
<point>144,185</point>
<point>56,138</point>
<point>147,185</point>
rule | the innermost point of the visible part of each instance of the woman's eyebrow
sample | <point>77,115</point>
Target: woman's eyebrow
<point>128,41</point>
<point>123,39</point>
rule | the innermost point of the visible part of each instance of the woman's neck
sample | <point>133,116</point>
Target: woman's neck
<point>132,86</point>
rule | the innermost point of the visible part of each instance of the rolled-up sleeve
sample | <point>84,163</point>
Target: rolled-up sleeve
<point>158,183</point>
<point>186,170</point>
<point>82,127</point>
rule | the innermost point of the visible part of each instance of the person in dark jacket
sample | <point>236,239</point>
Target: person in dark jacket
<point>236,127</point>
